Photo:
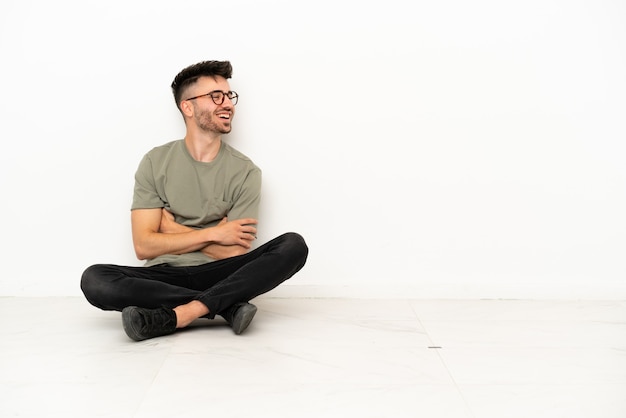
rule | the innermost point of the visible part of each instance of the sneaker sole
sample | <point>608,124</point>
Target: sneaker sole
<point>127,322</point>
<point>243,317</point>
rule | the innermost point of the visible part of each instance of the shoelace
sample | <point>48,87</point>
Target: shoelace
<point>157,320</point>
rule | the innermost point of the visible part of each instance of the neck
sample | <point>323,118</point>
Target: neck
<point>203,148</point>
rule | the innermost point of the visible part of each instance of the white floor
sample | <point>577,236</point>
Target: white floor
<point>60,357</point>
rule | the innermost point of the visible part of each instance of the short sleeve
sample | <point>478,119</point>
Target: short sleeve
<point>248,198</point>
<point>145,195</point>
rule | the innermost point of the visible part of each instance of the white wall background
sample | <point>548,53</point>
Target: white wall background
<point>426,148</point>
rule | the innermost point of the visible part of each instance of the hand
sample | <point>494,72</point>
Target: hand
<point>238,232</point>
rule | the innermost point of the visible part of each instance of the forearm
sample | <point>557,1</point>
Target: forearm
<point>155,233</point>
<point>213,250</point>
<point>220,252</point>
<point>155,244</point>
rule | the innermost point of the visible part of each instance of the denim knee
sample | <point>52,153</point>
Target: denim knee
<point>91,283</point>
<point>296,246</point>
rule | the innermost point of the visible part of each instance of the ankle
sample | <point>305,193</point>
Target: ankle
<point>189,312</point>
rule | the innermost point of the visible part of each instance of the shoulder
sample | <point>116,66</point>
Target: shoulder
<point>237,156</point>
<point>165,149</point>
<point>231,152</point>
<point>163,155</point>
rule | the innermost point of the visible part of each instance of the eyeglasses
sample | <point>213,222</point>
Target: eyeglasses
<point>218,96</point>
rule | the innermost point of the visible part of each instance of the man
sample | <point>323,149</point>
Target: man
<point>194,217</point>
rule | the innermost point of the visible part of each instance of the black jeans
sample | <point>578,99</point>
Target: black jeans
<point>218,284</point>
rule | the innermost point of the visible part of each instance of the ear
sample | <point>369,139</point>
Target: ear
<point>187,108</point>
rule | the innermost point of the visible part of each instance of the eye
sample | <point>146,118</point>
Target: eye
<point>217,96</point>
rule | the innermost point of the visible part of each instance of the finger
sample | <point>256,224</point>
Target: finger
<point>248,237</point>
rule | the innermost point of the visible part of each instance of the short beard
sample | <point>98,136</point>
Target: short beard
<point>206,123</point>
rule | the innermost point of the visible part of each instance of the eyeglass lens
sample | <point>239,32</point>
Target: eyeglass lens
<point>218,97</point>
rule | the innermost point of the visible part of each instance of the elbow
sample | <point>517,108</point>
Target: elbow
<point>144,250</point>
<point>141,253</point>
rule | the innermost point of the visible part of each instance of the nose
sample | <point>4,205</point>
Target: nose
<point>228,106</point>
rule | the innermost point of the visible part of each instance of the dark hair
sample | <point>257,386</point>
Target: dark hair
<point>190,75</point>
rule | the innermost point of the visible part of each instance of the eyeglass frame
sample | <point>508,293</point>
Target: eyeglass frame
<point>225,94</point>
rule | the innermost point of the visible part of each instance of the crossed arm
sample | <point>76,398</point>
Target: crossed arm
<point>155,232</point>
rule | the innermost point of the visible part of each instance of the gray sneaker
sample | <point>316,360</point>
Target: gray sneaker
<point>141,324</point>
<point>239,316</point>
